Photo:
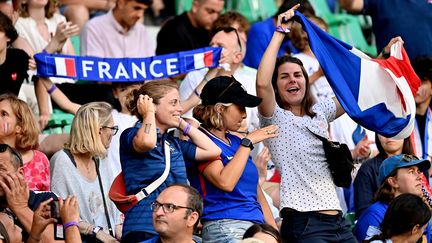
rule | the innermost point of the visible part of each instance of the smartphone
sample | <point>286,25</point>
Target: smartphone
<point>55,210</point>
<point>58,226</point>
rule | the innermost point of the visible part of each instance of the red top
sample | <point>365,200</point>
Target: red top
<point>37,172</point>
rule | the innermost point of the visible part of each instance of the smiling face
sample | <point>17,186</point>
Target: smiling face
<point>168,110</point>
<point>291,85</point>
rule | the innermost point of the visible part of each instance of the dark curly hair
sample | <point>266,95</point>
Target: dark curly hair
<point>7,27</point>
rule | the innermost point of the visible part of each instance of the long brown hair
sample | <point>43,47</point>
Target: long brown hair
<point>50,9</point>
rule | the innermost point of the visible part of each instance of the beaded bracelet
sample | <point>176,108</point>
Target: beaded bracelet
<point>186,130</point>
<point>69,224</point>
<point>52,89</point>
<point>282,30</point>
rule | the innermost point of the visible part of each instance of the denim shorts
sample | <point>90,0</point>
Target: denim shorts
<point>224,230</point>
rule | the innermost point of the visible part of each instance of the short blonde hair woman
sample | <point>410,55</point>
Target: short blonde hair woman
<point>19,130</point>
<point>76,170</point>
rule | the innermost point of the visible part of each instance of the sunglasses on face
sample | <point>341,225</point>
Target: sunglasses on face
<point>229,30</point>
<point>5,147</point>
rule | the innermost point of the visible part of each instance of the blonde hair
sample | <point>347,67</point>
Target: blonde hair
<point>85,131</point>
<point>208,115</point>
<point>27,139</point>
<point>154,89</point>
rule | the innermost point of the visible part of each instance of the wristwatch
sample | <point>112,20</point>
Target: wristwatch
<point>246,142</point>
<point>96,229</point>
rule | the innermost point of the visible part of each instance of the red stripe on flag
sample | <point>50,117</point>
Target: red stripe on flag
<point>402,68</point>
<point>70,67</point>
<point>208,59</point>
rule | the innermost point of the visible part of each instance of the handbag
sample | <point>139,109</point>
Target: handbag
<point>340,161</point>
<point>123,201</point>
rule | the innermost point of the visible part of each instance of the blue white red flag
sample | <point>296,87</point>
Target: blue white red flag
<point>64,66</point>
<point>126,69</point>
<point>376,93</point>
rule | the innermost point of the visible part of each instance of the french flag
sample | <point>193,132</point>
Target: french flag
<point>376,93</point>
<point>64,66</point>
<point>198,60</point>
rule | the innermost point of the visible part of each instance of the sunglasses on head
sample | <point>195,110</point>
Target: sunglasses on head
<point>5,147</point>
<point>229,30</point>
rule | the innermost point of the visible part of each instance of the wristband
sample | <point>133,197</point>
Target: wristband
<point>196,93</point>
<point>69,224</point>
<point>52,89</point>
<point>282,30</point>
<point>186,130</point>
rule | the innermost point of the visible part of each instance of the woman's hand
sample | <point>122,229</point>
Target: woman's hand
<point>69,209</point>
<point>145,105</point>
<point>65,30</point>
<point>286,16</point>
<point>263,133</point>
<point>387,48</point>
<point>41,219</point>
<point>261,162</point>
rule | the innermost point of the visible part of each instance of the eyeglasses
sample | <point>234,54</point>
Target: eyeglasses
<point>113,128</point>
<point>5,147</point>
<point>233,80</point>
<point>229,30</point>
<point>166,207</point>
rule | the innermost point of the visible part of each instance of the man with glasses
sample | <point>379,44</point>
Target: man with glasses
<point>15,196</point>
<point>176,214</point>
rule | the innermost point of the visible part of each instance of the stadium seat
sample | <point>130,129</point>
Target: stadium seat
<point>60,122</point>
<point>253,10</point>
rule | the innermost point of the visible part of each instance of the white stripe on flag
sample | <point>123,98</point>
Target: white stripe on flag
<point>199,60</point>
<point>60,66</point>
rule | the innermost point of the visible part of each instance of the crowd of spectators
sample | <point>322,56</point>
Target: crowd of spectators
<point>223,154</point>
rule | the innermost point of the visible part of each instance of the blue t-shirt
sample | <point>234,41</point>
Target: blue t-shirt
<point>241,203</point>
<point>373,216</point>
<point>259,37</point>
<point>141,169</point>
<point>412,20</point>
